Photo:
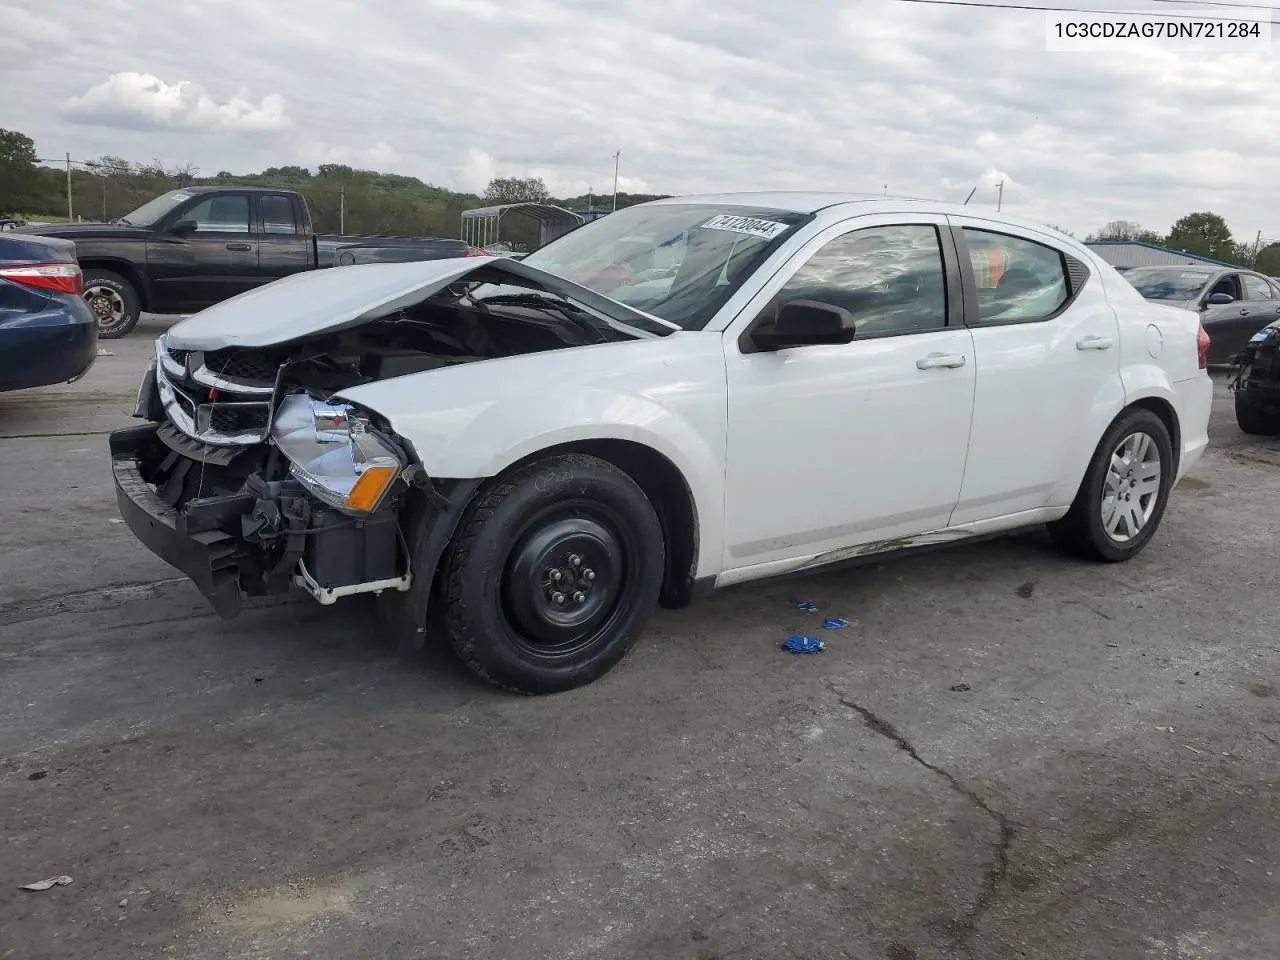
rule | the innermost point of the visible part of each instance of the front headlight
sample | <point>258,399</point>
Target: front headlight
<point>333,452</point>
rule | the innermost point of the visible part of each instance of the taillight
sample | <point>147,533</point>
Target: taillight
<point>62,277</point>
<point>477,252</point>
<point>1202,348</point>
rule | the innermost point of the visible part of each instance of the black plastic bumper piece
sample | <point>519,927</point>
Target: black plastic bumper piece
<point>207,556</point>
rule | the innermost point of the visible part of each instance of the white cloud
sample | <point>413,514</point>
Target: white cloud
<point>144,100</point>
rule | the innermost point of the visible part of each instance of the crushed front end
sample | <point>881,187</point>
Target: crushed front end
<point>246,478</point>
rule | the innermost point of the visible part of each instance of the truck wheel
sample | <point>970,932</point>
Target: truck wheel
<point>1124,493</point>
<point>1253,419</point>
<point>113,301</point>
<point>553,573</point>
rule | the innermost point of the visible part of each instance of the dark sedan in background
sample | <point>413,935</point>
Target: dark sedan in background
<point>1233,304</point>
<point>48,334</point>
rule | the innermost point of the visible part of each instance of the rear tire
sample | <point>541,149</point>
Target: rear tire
<point>1253,419</point>
<point>553,574</point>
<point>1123,496</point>
<point>113,302</point>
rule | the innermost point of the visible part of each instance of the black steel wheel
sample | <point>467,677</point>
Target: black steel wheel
<point>552,575</point>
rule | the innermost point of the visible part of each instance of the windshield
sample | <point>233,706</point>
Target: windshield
<point>1164,284</point>
<point>153,211</point>
<point>678,262</point>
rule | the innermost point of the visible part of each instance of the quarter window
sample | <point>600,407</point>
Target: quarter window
<point>891,279</point>
<point>1017,279</point>
<point>277,215</point>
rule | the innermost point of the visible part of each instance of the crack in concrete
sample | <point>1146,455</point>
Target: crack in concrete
<point>963,928</point>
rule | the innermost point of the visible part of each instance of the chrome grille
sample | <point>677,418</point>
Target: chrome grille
<point>214,408</point>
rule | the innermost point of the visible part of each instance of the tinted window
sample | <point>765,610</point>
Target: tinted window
<point>1017,279</point>
<point>224,214</point>
<point>890,278</point>
<point>1255,288</point>
<point>277,214</point>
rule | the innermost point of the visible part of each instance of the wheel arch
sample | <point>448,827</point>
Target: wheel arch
<point>669,492</point>
<point>126,270</point>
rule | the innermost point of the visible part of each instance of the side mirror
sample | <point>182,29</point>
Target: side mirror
<point>183,227</point>
<point>1219,299</point>
<point>805,323</point>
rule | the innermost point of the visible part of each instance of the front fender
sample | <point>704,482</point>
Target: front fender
<point>475,420</point>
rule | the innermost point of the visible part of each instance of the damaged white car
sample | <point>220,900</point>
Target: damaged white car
<point>685,394</point>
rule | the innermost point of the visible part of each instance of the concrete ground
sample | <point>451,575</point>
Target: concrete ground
<point>1008,755</point>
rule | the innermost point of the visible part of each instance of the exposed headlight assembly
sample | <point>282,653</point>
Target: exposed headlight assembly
<point>334,453</point>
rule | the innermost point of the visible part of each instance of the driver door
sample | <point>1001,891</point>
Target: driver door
<point>835,447</point>
<point>191,271</point>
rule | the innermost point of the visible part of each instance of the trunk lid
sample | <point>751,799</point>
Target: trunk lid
<point>326,301</point>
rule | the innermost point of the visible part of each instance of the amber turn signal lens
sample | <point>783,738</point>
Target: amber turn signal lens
<point>373,483</point>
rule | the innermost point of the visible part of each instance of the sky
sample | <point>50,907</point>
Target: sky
<point>863,95</point>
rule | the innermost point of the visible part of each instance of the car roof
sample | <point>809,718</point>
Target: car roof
<point>232,186</point>
<point>800,201</point>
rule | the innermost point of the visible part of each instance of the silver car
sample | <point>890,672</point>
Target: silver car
<point>1233,304</point>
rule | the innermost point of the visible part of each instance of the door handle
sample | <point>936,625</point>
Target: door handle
<point>940,360</point>
<point>239,246</point>
<point>1094,343</point>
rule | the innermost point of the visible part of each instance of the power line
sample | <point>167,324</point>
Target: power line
<point>1219,3</point>
<point>1057,9</point>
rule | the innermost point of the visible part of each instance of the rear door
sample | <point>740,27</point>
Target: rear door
<point>1047,346</point>
<point>284,246</point>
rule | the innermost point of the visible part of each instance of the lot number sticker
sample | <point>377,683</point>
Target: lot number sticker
<point>751,226</point>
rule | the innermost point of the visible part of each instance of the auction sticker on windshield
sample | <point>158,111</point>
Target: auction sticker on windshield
<point>751,226</point>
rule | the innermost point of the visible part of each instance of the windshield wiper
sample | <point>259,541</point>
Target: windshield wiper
<point>571,312</point>
<point>127,223</point>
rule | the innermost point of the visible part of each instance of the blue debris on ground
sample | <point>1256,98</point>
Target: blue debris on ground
<point>835,623</point>
<point>804,605</point>
<point>798,644</point>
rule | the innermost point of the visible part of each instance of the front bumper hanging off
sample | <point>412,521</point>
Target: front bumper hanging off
<point>206,554</point>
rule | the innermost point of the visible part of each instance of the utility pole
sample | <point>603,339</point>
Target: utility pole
<point>342,209</point>
<point>615,179</point>
<point>1000,197</point>
<point>70,217</point>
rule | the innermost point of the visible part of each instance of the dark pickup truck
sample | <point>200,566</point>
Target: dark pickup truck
<point>189,249</point>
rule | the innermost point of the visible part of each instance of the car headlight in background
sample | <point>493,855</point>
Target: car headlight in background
<point>334,454</point>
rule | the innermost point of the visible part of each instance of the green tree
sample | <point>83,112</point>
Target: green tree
<point>24,187</point>
<point>515,190</point>
<point>1203,233</point>
<point>1268,260</point>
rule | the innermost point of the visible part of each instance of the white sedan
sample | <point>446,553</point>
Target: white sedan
<point>686,394</point>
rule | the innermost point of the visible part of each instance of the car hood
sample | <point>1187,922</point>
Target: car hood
<point>86,231</point>
<point>337,298</point>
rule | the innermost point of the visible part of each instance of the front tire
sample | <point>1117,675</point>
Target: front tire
<point>113,301</point>
<point>1254,420</point>
<point>1124,493</point>
<point>553,574</point>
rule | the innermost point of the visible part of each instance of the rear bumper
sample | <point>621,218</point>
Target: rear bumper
<point>208,557</point>
<point>1195,400</point>
<point>55,346</point>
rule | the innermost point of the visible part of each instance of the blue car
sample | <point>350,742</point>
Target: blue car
<point>48,334</point>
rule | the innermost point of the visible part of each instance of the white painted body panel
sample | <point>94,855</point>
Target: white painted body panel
<point>476,419</point>
<point>802,456</point>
